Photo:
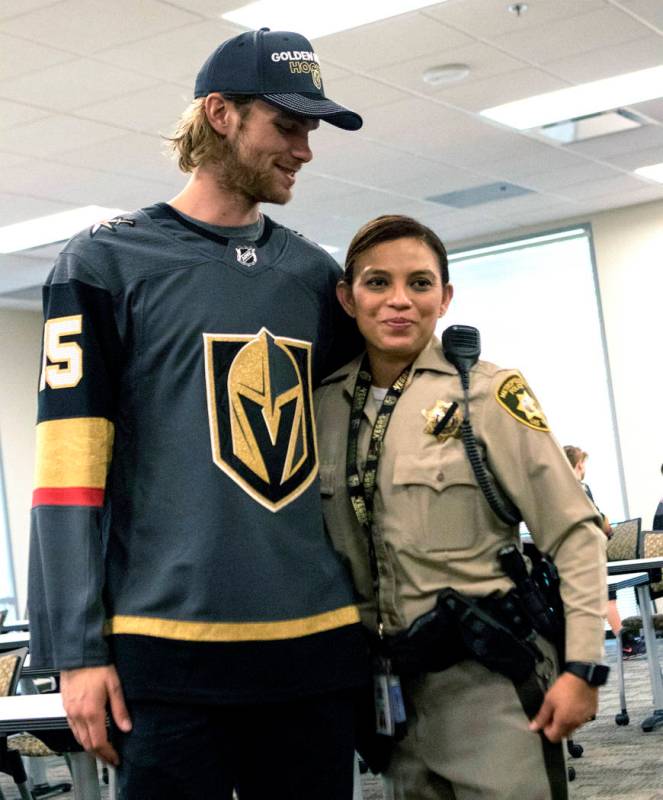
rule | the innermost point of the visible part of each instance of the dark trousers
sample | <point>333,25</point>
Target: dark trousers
<point>296,750</point>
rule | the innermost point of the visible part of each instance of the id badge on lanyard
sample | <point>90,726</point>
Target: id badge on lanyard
<point>389,705</point>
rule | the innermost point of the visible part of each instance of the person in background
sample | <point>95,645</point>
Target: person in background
<point>486,707</point>
<point>657,525</point>
<point>179,568</point>
<point>631,645</point>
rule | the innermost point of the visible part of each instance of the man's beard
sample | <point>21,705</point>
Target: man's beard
<point>237,174</point>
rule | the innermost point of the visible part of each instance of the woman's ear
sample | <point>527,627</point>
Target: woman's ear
<point>447,295</point>
<point>345,298</point>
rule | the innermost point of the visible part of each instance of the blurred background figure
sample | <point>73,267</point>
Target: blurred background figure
<point>657,525</point>
<point>631,645</point>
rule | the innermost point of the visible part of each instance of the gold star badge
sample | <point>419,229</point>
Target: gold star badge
<point>436,414</point>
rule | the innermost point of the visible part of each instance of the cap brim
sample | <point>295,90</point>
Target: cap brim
<point>316,107</point>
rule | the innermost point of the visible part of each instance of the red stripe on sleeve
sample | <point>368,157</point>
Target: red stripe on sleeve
<point>68,496</point>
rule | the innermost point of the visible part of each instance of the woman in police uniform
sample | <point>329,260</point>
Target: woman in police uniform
<point>404,508</point>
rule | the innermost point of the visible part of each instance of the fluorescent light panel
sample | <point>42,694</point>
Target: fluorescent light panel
<point>319,19</point>
<point>53,228</point>
<point>654,172</point>
<point>579,101</point>
<point>517,244</point>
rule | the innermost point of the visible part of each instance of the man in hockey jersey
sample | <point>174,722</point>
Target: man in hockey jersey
<point>179,570</point>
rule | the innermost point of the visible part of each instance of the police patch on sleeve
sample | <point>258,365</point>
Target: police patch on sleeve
<point>518,399</point>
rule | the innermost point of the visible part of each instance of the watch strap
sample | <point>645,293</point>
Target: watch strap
<point>593,674</point>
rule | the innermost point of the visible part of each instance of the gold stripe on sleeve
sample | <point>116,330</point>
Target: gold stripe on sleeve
<point>73,452</point>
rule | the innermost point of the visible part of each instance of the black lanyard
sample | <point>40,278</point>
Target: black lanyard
<point>362,490</point>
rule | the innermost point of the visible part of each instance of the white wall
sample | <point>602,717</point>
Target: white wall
<point>629,255</point>
<point>628,245</point>
<point>20,342</point>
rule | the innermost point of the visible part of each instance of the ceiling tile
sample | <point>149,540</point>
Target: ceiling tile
<point>437,179</point>
<point>559,179</point>
<point>548,158</point>
<point>565,37</point>
<point>482,59</point>
<point>498,89</point>
<point>170,56</point>
<point>487,18</point>
<point>389,41</point>
<point>653,108</point>
<point>10,8</point>
<point>639,158</point>
<point>619,185</point>
<point>20,57</point>
<point>18,113</point>
<point>17,208</point>
<point>133,154</point>
<point>55,134</point>
<point>601,62</point>
<point>64,87</point>
<point>11,159</point>
<point>621,143</point>
<point>154,110</point>
<point>649,10</point>
<point>87,27</point>
<point>355,91</point>
<point>74,185</point>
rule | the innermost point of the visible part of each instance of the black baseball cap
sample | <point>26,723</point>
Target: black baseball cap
<point>279,67</point>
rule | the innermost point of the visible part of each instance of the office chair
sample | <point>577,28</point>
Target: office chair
<point>650,546</point>
<point>10,761</point>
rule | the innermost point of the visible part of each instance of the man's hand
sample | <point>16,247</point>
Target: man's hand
<point>569,703</point>
<point>85,694</point>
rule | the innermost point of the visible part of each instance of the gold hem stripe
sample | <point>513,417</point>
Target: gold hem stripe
<point>232,631</point>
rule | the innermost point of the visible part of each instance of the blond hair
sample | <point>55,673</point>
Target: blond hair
<point>194,141</point>
<point>575,455</point>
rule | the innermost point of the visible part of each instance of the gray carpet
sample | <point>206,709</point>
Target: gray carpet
<point>618,762</point>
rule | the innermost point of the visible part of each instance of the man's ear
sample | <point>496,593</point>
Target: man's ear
<point>218,112</point>
<point>345,298</point>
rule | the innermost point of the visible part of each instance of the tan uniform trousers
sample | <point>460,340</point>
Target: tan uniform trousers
<point>468,740</point>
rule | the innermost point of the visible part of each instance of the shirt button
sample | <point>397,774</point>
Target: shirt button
<point>440,476</point>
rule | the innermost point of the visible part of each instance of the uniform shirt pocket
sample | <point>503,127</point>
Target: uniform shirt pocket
<point>436,495</point>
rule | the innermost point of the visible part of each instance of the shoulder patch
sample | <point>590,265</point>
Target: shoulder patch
<point>515,396</point>
<point>111,225</point>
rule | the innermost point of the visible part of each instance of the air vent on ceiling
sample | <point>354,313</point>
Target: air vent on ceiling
<point>488,193</point>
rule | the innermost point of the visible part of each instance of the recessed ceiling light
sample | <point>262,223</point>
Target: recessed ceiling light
<point>53,228</point>
<point>654,172</point>
<point>580,101</point>
<point>330,248</point>
<point>446,73</point>
<point>582,128</point>
<point>319,19</point>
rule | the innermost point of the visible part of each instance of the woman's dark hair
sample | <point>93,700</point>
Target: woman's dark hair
<point>387,228</point>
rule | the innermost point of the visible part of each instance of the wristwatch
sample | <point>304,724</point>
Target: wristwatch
<point>593,674</point>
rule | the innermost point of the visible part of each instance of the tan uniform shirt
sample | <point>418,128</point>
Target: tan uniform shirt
<point>432,525</point>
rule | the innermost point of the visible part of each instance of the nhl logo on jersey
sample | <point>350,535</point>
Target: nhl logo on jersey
<point>260,405</point>
<point>246,255</point>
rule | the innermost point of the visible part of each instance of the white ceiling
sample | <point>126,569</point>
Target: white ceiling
<point>88,87</point>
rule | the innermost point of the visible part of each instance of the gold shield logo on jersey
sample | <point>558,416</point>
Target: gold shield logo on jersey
<point>261,413</point>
